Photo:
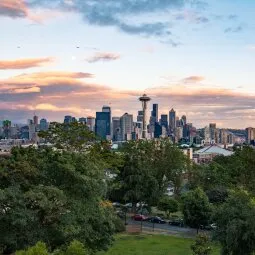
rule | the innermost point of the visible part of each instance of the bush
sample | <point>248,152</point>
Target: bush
<point>39,249</point>
<point>119,225</point>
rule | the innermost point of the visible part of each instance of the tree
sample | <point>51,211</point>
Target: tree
<point>201,245</point>
<point>149,166</point>
<point>196,208</point>
<point>54,197</point>
<point>168,205</point>
<point>69,136</point>
<point>235,221</point>
<point>39,249</point>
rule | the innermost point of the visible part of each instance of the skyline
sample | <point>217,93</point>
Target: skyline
<point>72,57</point>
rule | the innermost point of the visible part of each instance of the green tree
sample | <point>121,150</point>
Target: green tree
<point>201,245</point>
<point>168,205</point>
<point>235,221</point>
<point>54,197</point>
<point>196,208</point>
<point>69,136</point>
<point>149,166</point>
<point>39,249</point>
<point>76,248</point>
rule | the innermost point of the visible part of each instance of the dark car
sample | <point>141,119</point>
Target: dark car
<point>156,220</point>
<point>176,222</point>
<point>140,217</point>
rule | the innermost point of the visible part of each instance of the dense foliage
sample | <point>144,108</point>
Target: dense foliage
<point>53,197</point>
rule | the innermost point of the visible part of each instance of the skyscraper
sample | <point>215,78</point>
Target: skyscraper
<point>103,123</point>
<point>154,112</point>
<point>36,122</point>
<point>116,130</point>
<point>183,120</point>
<point>91,122</point>
<point>126,126</point>
<point>164,121</point>
<point>43,125</point>
<point>68,119</point>
<point>250,135</point>
<point>172,120</point>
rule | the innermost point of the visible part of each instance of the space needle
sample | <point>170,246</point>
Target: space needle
<point>144,99</point>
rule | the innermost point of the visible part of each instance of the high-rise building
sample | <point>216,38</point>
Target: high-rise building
<point>91,122</point>
<point>183,120</point>
<point>158,130</point>
<point>172,120</point>
<point>250,135</point>
<point>164,121</point>
<point>212,127</point>
<point>7,129</point>
<point>83,120</point>
<point>68,119</point>
<point>223,136</point>
<point>103,123</point>
<point>154,112</point>
<point>35,120</point>
<point>43,125</point>
<point>140,116</point>
<point>126,126</point>
<point>116,130</point>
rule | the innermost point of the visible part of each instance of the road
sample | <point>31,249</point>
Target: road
<point>164,228</point>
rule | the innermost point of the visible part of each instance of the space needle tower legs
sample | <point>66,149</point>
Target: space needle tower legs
<point>144,99</point>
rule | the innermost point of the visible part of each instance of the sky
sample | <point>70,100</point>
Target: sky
<point>71,57</point>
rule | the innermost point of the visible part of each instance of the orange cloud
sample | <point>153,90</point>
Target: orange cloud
<point>13,8</point>
<point>103,56</point>
<point>23,63</point>
<point>26,90</point>
<point>193,79</point>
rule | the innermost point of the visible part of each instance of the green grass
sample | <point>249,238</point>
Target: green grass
<point>152,245</point>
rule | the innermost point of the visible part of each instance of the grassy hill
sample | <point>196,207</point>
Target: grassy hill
<point>152,245</point>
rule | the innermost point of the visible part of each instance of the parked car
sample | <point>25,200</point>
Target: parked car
<point>128,205</point>
<point>156,219</point>
<point>176,222</point>
<point>209,227</point>
<point>139,217</point>
<point>121,214</point>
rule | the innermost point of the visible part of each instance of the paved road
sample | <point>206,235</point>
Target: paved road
<point>164,228</point>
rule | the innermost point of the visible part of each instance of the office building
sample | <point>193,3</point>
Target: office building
<point>164,121</point>
<point>126,126</point>
<point>116,130</point>
<point>35,120</point>
<point>158,130</point>
<point>154,112</point>
<point>172,120</point>
<point>43,125</point>
<point>250,135</point>
<point>68,119</point>
<point>83,120</point>
<point>91,122</point>
<point>103,123</point>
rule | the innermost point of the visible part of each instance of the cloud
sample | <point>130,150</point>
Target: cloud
<point>234,29</point>
<point>202,20</point>
<point>125,15</point>
<point>23,63</point>
<point>103,56</point>
<point>26,90</point>
<point>193,79</point>
<point>13,8</point>
<point>232,16</point>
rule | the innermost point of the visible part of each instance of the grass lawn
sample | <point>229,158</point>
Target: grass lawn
<point>151,245</point>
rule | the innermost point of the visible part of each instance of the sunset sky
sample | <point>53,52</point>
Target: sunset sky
<point>70,57</point>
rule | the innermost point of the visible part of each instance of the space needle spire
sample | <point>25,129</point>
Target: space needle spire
<point>144,99</point>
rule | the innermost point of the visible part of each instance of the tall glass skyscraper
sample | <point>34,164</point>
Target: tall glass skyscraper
<point>154,112</point>
<point>103,123</point>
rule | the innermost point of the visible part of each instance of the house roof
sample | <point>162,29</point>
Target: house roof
<point>214,149</point>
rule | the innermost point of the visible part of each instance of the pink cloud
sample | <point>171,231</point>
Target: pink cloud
<point>103,56</point>
<point>24,63</point>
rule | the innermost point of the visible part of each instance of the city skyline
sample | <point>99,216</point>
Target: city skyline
<point>71,57</point>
